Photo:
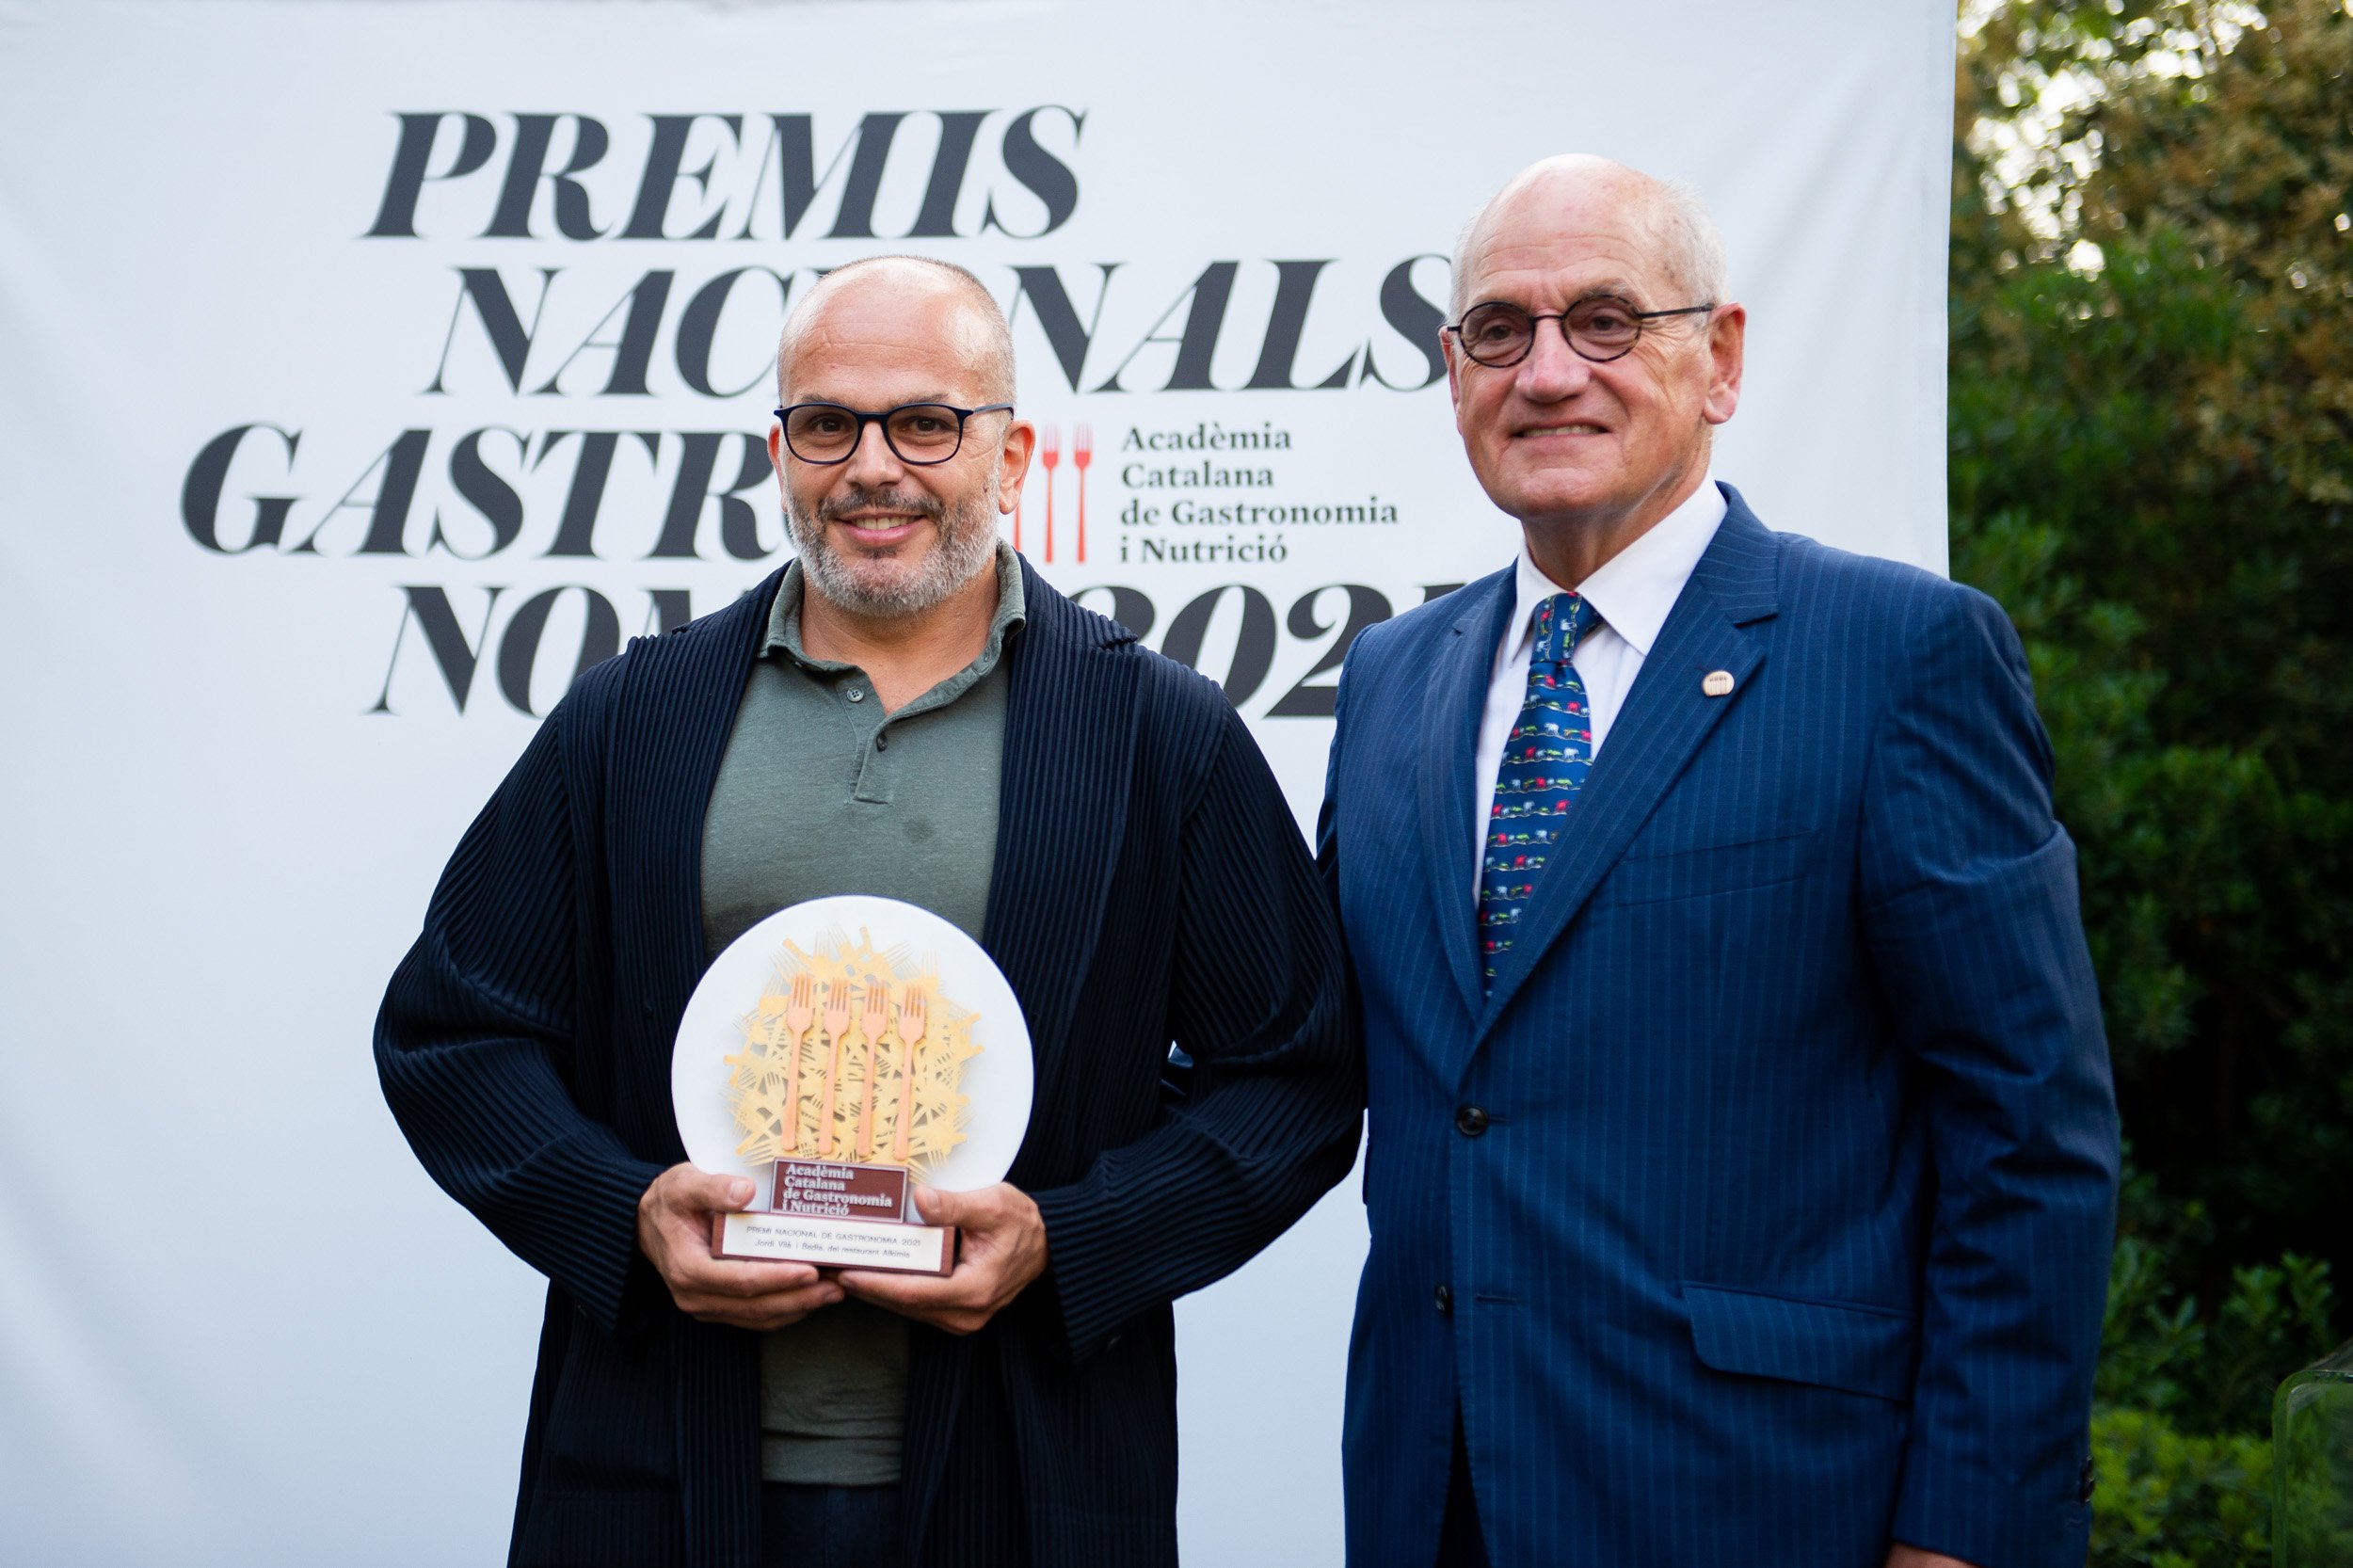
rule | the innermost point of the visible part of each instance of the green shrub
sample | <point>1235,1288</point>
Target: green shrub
<point>2150,466</point>
<point>2181,1429</point>
<point>2169,1500</point>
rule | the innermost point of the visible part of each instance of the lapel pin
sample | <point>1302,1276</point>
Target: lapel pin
<point>1716,683</point>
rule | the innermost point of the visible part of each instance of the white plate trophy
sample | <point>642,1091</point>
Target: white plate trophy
<point>838,1052</point>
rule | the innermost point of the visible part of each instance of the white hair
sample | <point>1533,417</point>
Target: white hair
<point>1683,234</point>
<point>1694,249</point>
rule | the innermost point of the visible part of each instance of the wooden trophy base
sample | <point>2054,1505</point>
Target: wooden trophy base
<point>837,1216</point>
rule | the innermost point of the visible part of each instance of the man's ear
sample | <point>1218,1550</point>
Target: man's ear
<point>1014,464</point>
<point>1453,375</point>
<point>1727,345</point>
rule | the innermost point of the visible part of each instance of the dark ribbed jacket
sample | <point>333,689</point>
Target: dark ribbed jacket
<point>1149,885</point>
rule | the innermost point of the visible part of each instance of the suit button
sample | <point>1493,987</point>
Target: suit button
<point>1445,1298</point>
<point>1470,1121</point>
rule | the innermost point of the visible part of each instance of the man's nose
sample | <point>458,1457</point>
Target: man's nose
<point>872,463</point>
<point>1553,371</point>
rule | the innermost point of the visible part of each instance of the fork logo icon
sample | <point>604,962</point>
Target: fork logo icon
<point>1049,455</point>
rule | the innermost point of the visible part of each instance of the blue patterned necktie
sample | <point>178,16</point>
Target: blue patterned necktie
<point>1545,763</point>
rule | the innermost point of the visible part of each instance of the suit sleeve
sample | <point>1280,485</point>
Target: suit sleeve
<point>1972,916</point>
<point>1270,1122</point>
<point>473,1047</point>
<point>1328,815</point>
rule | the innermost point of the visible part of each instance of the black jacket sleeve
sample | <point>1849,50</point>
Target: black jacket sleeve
<point>474,1042</point>
<point>1259,1002</point>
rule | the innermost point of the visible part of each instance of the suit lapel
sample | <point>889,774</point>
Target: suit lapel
<point>1070,716</point>
<point>685,692</point>
<point>1457,698</point>
<point>1062,814</point>
<point>1666,718</point>
<point>688,688</point>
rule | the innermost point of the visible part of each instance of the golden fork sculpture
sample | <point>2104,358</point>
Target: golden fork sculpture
<point>800,1010</point>
<point>852,1057</point>
<point>837,1018</point>
<point>913,1009</point>
<point>878,1011</point>
<point>845,1013</point>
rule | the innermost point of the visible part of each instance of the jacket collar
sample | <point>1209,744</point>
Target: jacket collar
<point>1449,743</point>
<point>1065,753</point>
<point>1668,715</point>
<point>1063,800</point>
<point>1062,816</point>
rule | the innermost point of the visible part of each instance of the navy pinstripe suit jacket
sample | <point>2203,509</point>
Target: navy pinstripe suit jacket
<point>1787,1229</point>
<point>1149,885</point>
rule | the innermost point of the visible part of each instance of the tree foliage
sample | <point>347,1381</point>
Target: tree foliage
<point>2151,467</point>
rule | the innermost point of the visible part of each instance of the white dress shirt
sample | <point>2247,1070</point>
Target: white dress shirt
<point>1632,592</point>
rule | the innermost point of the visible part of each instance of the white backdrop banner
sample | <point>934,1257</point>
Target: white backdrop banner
<point>371,367</point>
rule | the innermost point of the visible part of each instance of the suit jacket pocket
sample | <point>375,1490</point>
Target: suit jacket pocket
<point>1863,1350</point>
<point>1709,869</point>
<point>612,1424</point>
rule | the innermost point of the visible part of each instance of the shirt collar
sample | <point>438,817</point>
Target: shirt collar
<point>784,616</point>
<point>1634,591</point>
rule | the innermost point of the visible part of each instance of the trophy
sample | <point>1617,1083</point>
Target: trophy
<point>839,1070</point>
<point>2311,1466</point>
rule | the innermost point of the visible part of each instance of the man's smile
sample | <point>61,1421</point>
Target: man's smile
<point>879,529</point>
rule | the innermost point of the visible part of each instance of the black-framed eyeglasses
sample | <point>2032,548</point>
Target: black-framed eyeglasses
<point>920,433</point>
<point>1499,334</point>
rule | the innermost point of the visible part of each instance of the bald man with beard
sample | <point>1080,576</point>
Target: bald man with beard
<point>907,710</point>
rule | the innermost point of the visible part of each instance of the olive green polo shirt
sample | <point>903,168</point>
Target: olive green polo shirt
<point>822,792</point>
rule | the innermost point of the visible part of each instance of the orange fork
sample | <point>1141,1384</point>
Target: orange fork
<point>1081,453</point>
<point>799,1013</point>
<point>837,1025</point>
<point>1049,452</point>
<point>878,1024</point>
<point>913,1009</point>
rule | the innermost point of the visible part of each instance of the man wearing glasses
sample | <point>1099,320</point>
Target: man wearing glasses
<point>909,711</point>
<point>1743,1152</point>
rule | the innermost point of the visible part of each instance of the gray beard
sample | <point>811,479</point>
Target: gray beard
<point>875,585</point>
